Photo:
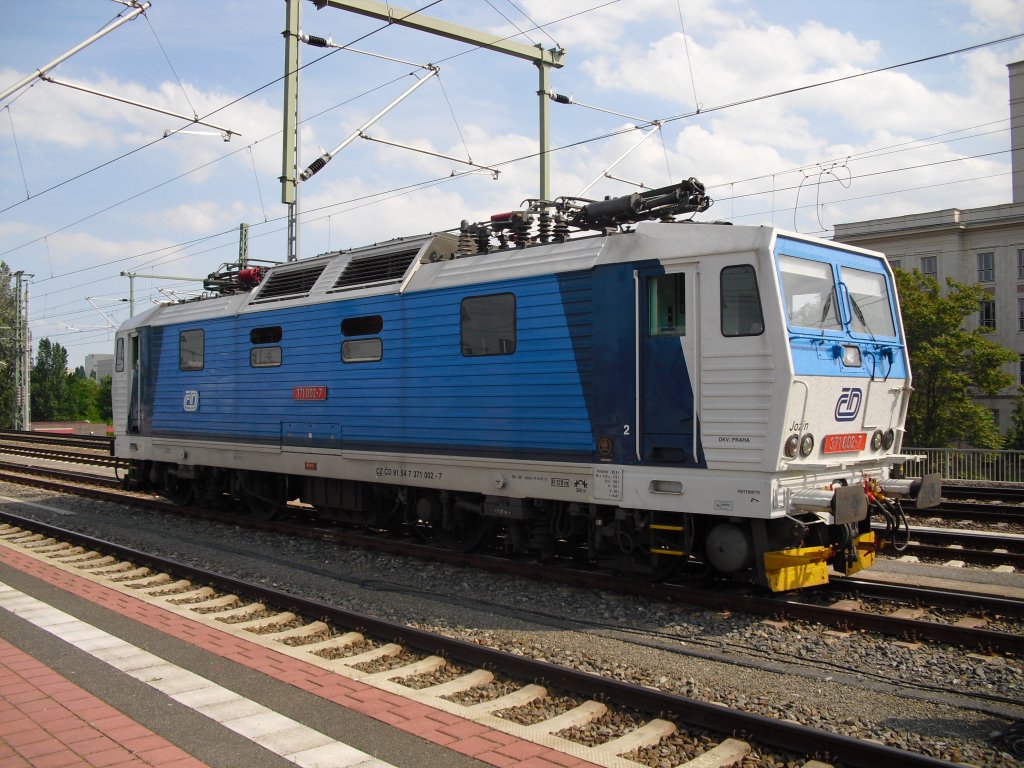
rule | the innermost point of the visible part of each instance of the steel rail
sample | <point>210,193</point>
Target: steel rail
<point>100,442</point>
<point>716,596</point>
<point>973,556</point>
<point>1008,493</point>
<point>777,733</point>
<point>51,454</point>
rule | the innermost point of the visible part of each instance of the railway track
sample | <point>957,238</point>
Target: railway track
<point>830,606</point>
<point>1011,494</point>
<point>96,442</point>
<point>967,547</point>
<point>390,655</point>
<point>95,450</point>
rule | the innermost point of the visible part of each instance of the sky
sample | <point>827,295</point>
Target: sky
<point>794,113</point>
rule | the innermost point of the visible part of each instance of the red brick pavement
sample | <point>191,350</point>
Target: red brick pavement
<point>46,721</point>
<point>456,733</point>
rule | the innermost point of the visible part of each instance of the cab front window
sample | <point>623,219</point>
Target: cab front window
<point>810,294</point>
<point>869,302</point>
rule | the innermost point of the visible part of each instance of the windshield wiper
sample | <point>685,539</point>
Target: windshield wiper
<point>860,316</point>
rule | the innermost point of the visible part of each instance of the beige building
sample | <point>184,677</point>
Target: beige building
<point>971,245</point>
<point>98,366</point>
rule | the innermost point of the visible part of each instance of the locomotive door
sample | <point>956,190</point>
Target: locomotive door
<point>134,385</point>
<point>666,344</point>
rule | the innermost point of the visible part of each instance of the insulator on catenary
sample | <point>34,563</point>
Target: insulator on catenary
<point>316,41</point>
<point>315,166</point>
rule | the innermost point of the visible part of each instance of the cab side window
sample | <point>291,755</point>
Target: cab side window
<point>488,325</point>
<point>190,350</point>
<point>740,302</point>
<point>666,300</point>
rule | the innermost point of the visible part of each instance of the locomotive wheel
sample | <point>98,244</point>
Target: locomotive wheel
<point>264,495</point>
<point>663,567</point>
<point>179,490</point>
<point>465,532</point>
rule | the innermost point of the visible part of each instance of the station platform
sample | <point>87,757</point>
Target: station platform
<point>90,676</point>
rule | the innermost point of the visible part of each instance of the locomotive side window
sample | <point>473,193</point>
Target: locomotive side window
<point>362,326</point>
<point>269,335</point>
<point>488,325</point>
<point>666,298</point>
<point>190,350</point>
<point>119,355</point>
<point>810,293</point>
<point>741,303</point>
<point>264,357</point>
<point>361,350</point>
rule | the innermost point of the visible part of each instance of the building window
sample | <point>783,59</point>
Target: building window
<point>987,317</point>
<point>1020,373</point>
<point>666,301</point>
<point>190,350</point>
<point>741,304</point>
<point>896,263</point>
<point>1020,263</point>
<point>928,266</point>
<point>488,325</point>
<point>986,267</point>
<point>1020,314</point>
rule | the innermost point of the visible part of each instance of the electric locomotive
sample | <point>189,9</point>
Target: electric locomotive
<point>596,380</point>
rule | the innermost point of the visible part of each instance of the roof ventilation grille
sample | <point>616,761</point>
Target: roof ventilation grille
<point>288,283</point>
<point>375,270</point>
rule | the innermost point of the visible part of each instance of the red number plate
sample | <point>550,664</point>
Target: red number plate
<point>844,443</point>
<point>309,393</point>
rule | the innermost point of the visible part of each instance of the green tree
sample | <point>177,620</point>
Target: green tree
<point>83,393</point>
<point>104,404</point>
<point>1015,437</point>
<point>949,364</point>
<point>51,384</point>
<point>8,345</point>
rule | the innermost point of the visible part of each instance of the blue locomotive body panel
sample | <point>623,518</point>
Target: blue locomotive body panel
<point>567,381</point>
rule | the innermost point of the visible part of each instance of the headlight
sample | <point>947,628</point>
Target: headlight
<point>806,444</point>
<point>876,440</point>
<point>792,443</point>
<point>888,439</point>
<point>851,357</point>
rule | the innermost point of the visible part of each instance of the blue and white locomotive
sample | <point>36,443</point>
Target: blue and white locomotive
<point>652,393</point>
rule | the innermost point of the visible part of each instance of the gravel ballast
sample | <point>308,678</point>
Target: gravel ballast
<point>942,701</point>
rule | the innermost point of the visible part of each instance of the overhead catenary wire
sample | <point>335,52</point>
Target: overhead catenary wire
<point>231,103</point>
<point>17,150</point>
<point>370,199</point>
<point>607,135</point>
<point>169,64</point>
<point>686,50</point>
<point>559,20</point>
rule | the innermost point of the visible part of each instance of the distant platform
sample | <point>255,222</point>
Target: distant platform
<point>72,427</point>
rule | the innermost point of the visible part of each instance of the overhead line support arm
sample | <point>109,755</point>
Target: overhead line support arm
<point>544,59</point>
